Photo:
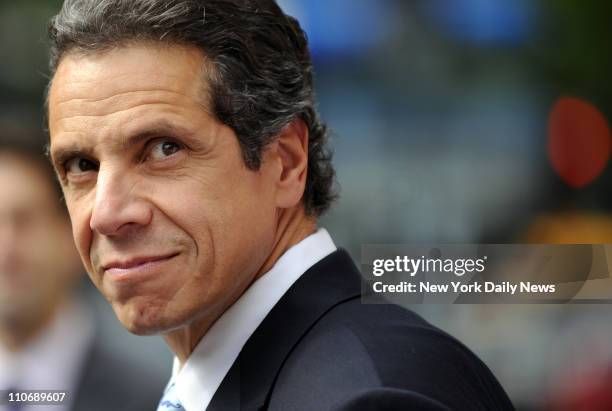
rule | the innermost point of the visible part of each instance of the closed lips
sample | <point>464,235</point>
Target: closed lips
<point>135,262</point>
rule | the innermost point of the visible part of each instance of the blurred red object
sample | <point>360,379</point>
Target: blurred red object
<point>591,391</point>
<point>579,141</point>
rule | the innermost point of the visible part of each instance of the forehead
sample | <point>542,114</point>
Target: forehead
<point>113,96</point>
<point>144,63</point>
<point>110,80</point>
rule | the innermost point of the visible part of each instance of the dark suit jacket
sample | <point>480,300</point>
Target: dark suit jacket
<point>109,382</point>
<point>320,348</point>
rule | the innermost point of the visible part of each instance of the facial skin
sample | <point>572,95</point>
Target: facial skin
<point>38,261</point>
<point>171,225</point>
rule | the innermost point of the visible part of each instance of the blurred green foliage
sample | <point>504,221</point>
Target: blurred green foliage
<point>572,50</point>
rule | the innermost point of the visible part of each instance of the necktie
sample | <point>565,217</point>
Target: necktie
<point>170,401</point>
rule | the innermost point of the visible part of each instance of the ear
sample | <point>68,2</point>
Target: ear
<point>292,150</point>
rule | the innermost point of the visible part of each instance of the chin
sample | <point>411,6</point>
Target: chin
<point>142,319</point>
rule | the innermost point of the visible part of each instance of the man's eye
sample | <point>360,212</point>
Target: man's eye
<point>164,149</point>
<point>79,165</point>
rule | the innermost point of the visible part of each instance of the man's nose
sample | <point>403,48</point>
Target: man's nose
<point>118,204</point>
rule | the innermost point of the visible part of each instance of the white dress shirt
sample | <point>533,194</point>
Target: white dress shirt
<point>204,370</point>
<point>53,360</point>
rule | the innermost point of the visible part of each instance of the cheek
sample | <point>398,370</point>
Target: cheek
<point>242,226</point>
<point>56,250</point>
<point>81,233</point>
<point>231,224</point>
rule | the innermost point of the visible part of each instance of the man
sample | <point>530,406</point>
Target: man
<point>47,341</point>
<point>194,168</point>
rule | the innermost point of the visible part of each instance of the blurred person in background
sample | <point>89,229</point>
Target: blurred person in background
<point>47,338</point>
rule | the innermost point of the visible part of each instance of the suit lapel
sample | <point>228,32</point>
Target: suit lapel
<point>248,384</point>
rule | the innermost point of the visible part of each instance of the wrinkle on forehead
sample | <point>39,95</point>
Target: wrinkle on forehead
<point>108,76</point>
<point>82,111</point>
<point>106,93</point>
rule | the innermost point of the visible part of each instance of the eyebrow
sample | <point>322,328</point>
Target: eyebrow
<point>159,129</point>
<point>61,153</point>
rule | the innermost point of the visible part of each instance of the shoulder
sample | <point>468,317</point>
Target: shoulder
<point>379,354</point>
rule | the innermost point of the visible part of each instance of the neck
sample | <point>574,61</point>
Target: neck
<point>293,225</point>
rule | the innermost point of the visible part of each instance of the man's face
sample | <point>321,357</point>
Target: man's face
<point>38,262</point>
<point>169,222</point>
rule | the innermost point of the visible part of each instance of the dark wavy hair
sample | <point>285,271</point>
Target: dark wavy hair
<point>259,73</point>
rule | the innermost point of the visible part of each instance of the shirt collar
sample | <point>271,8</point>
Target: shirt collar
<point>204,370</point>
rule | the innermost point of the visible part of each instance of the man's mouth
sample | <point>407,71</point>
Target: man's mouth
<point>133,265</point>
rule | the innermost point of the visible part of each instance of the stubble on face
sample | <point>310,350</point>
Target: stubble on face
<point>148,173</point>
